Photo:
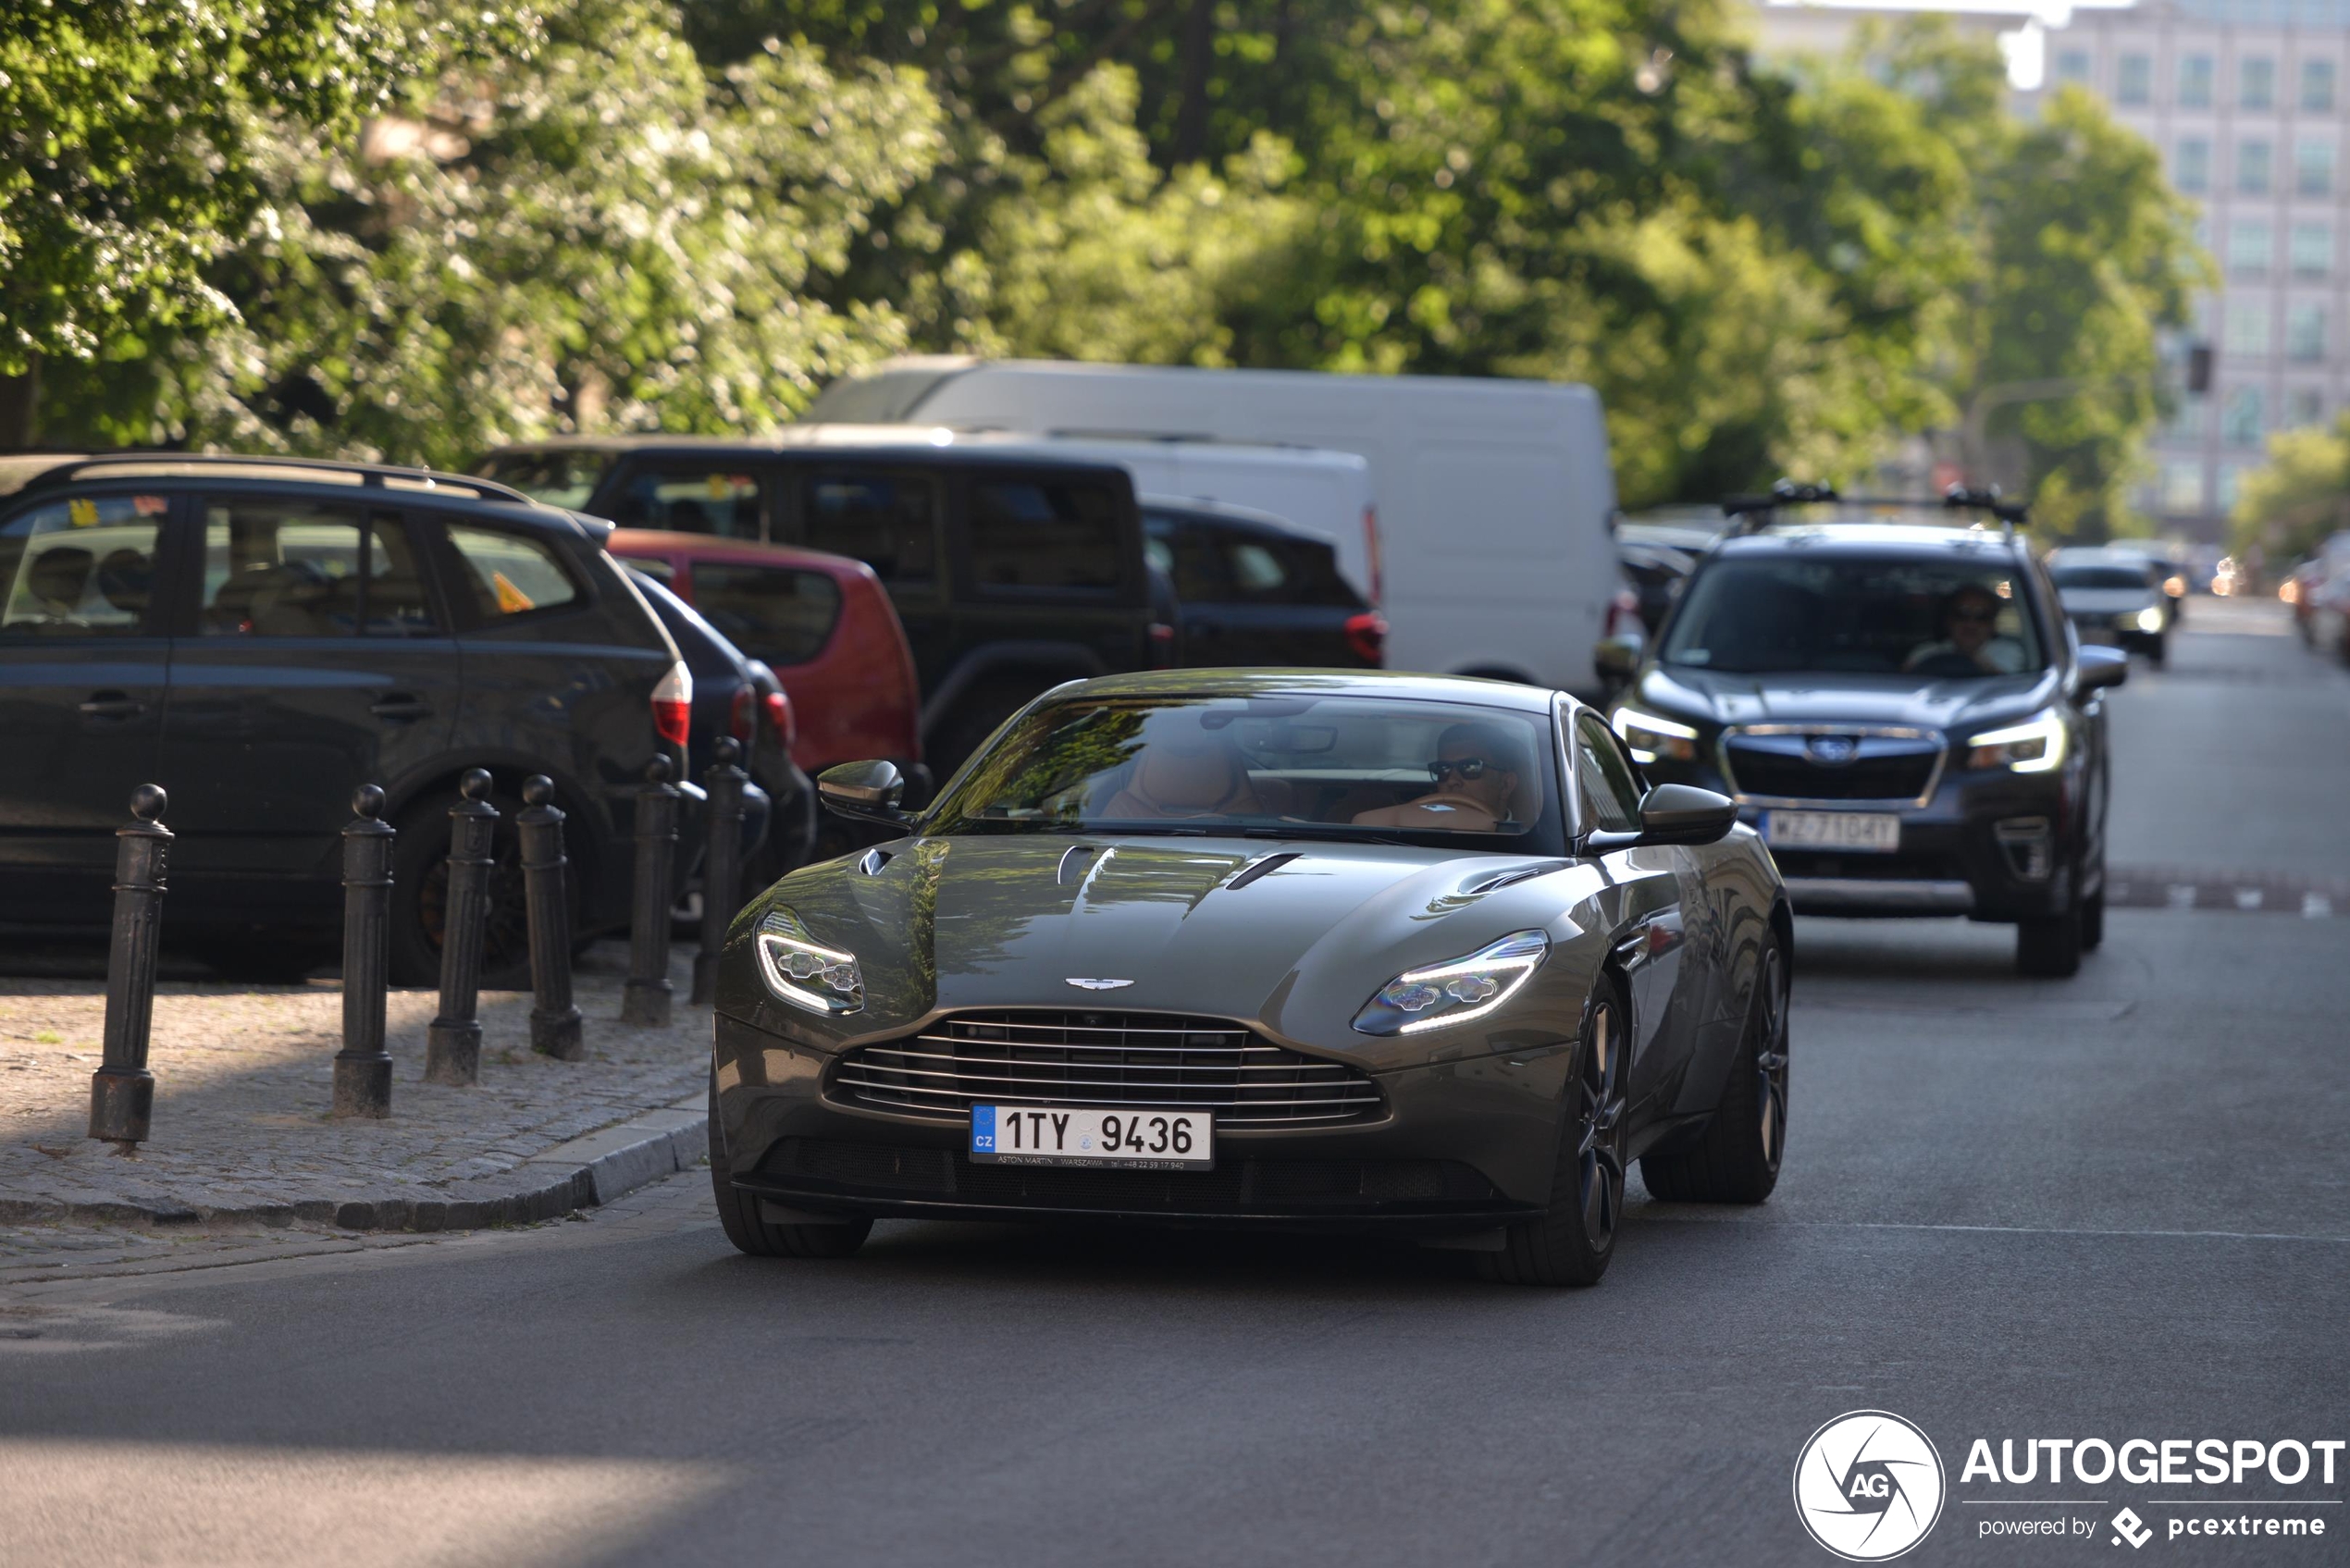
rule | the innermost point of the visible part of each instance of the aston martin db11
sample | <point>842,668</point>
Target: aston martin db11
<point>1294,949</point>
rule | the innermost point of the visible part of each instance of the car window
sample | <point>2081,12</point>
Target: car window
<point>508,574</point>
<point>1186,551</point>
<point>79,567</point>
<point>295,568</point>
<point>1342,767</point>
<point>564,477</point>
<point>2098,575</point>
<point>691,498</point>
<point>1053,534</point>
<point>777,613</point>
<point>1611,789</point>
<point>889,522</point>
<point>1258,572</point>
<point>1939,618</point>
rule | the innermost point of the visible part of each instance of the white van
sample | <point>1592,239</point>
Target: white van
<point>1493,496</point>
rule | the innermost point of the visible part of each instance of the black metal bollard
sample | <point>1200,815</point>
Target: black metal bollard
<point>721,876</point>
<point>645,999</point>
<point>122,1091</point>
<point>363,1068</point>
<point>554,1023</point>
<point>452,1045</point>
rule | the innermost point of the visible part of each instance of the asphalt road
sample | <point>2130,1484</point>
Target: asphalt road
<point>2109,1207</point>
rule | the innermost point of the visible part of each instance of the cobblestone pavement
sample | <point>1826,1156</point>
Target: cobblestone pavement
<point>244,1080</point>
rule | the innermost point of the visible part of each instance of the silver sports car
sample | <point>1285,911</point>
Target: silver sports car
<point>1292,948</point>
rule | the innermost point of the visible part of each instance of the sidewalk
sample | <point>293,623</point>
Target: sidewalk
<point>244,1080</point>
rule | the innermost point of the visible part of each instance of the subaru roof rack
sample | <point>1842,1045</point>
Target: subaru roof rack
<point>374,475</point>
<point>1750,512</point>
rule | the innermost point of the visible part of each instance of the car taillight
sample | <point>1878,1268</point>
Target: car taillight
<point>1367,634</point>
<point>1371,544</point>
<point>1623,615</point>
<point>742,716</point>
<point>673,705</point>
<point>780,719</point>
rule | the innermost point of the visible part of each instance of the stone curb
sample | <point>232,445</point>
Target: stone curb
<point>584,1173</point>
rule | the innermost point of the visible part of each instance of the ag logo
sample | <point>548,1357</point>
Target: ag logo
<point>1868,1486</point>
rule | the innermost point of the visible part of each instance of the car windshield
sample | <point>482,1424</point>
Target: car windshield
<point>2098,575</point>
<point>1267,766</point>
<point>566,477</point>
<point>1950,620</point>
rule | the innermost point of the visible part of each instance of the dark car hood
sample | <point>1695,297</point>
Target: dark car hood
<point>978,921</point>
<point>1832,699</point>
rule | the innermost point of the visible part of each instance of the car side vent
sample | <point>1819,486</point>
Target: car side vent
<point>872,860</point>
<point>1255,869</point>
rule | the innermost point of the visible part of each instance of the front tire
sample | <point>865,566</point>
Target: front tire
<point>2051,947</point>
<point>738,1215</point>
<point>1735,1160</point>
<point>1572,1241</point>
<point>2093,922</point>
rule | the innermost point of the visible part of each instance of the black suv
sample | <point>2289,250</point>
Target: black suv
<point>262,635</point>
<point>1900,707</point>
<point>1010,574</point>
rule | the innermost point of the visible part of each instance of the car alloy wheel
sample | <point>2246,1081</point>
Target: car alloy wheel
<point>1770,1055</point>
<point>1598,1152</point>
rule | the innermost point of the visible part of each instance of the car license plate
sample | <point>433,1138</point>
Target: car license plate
<point>1878,831</point>
<point>1141,1139</point>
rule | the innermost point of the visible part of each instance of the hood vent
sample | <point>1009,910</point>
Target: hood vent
<point>1516,874</point>
<point>1255,869</point>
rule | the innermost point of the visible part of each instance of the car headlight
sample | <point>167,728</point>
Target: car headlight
<point>2149,618</point>
<point>1456,991</point>
<point>1650,737</point>
<point>803,973</point>
<point>2037,745</point>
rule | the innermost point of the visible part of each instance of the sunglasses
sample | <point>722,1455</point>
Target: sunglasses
<point>1467,767</point>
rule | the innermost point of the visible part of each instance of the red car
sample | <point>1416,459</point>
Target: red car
<point>823,623</point>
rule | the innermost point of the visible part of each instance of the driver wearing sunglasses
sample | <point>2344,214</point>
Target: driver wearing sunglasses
<point>1475,781</point>
<point>1970,632</point>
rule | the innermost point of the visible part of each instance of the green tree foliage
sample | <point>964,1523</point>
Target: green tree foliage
<point>2285,509</point>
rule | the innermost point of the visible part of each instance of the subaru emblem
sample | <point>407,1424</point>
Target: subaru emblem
<point>1832,750</point>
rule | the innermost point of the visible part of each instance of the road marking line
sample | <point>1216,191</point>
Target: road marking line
<point>2182,895</point>
<point>2248,898</point>
<point>2316,906</point>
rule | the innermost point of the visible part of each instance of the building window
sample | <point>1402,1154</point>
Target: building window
<point>2231,480</point>
<point>2252,167</point>
<point>2312,250</point>
<point>2240,425</point>
<point>2309,408</point>
<point>2072,64</point>
<point>2313,168</point>
<point>2248,249</point>
<point>2305,334</point>
<point>2194,82</point>
<point>2257,83</point>
<point>2188,420</point>
<point>2317,86</point>
<point>2134,80</point>
<point>2247,329</point>
<point>2182,486</point>
<point>2191,169</point>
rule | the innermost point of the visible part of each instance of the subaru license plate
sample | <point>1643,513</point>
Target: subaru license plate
<point>1871,832</point>
<point>1066,1135</point>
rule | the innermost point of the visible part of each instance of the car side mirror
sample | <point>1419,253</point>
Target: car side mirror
<point>868,790</point>
<point>1614,659</point>
<point>1672,813</point>
<point>2101,667</point>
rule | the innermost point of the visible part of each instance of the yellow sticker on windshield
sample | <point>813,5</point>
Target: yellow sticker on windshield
<point>512,600</point>
<point>82,512</point>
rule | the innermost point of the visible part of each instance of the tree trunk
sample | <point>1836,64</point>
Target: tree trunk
<point>21,408</point>
<point>1199,59</point>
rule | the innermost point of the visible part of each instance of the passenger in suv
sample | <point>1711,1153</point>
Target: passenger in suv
<point>1899,707</point>
<point>1010,573</point>
<point>261,637</point>
<point>1252,589</point>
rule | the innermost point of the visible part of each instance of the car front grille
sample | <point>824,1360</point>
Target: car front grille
<point>1782,767</point>
<point>1083,1057</point>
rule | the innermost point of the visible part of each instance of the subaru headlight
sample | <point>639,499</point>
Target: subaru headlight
<point>1456,991</point>
<point>1649,737</point>
<point>2150,618</point>
<point>2037,745</point>
<point>804,973</point>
